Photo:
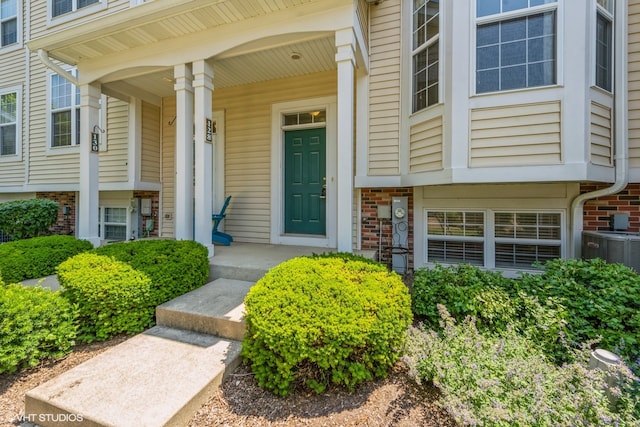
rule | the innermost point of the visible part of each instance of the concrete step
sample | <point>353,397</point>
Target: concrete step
<point>158,378</point>
<point>216,308</point>
<point>244,273</point>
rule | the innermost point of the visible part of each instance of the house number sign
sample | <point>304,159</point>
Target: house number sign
<point>209,130</point>
<point>95,142</point>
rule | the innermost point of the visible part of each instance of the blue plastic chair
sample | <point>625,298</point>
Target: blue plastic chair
<point>218,236</point>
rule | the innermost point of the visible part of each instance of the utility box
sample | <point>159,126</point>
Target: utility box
<point>613,247</point>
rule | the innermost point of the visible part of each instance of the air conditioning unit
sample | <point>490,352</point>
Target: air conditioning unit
<point>613,247</point>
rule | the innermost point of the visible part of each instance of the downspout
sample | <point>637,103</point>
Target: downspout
<point>44,58</point>
<point>621,143</point>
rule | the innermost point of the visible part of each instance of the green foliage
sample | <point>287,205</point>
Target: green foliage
<point>346,256</point>
<point>37,257</point>
<point>602,300</point>
<point>35,324</point>
<point>22,219</point>
<point>175,267</point>
<point>324,320</point>
<point>504,380</point>
<point>492,299</point>
<point>111,297</point>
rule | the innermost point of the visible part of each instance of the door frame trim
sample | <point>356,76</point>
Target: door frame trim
<point>278,237</point>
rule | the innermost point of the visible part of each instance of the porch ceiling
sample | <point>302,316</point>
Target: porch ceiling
<point>160,21</point>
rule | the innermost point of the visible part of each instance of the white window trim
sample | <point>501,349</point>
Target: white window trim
<point>18,44</point>
<point>102,222</point>
<point>559,9</point>
<point>489,237</point>
<point>74,14</point>
<point>595,10</point>
<point>19,107</point>
<point>73,148</point>
<point>139,2</point>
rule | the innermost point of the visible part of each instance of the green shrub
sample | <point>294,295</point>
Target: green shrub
<point>602,300</point>
<point>492,299</point>
<point>175,267</point>
<point>111,297</point>
<point>37,257</point>
<point>347,256</point>
<point>504,380</point>
<point>35,324</point>
<point>22,219</point>
<point>324,320</point>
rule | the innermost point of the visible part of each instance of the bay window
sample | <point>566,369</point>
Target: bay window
<point>8,22</point>
<point>9,123</point>
<point>604,44</point>
<point>516,44</point>
<point>426,53</point>
<point>60,7</point>
<point>65,112</point>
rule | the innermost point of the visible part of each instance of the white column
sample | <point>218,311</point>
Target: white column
<point>203,91</point>
<point>345,59</point>
<point>88,202</point>
<point>184,152</point>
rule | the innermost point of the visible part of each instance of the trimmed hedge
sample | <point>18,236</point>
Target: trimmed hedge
<point>175,267</point>
<point>23,219</point>
<point>35,324</point>
<point>111,297</point>
<point>37,257</point>
<point>324,320</point>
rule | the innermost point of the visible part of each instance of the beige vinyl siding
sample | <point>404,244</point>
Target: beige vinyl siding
<point>601,137</point>
<point>150,168</point>
<point>13,75</point>
<point>516,135</point>
<point>248,147</point>
<point>39,9</point>
<point>113,162</point>
<point>53,166</point>
<point>426,146</point>
<point>168,195</point>
<point>634,84</point>
<point>362,13</point>
<point>384,89</point>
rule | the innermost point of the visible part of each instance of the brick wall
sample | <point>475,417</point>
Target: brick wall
<point>371,198</point>
<point>597,212</point>
<point>65,224</point>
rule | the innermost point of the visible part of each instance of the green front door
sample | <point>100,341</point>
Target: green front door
<point>304,181</point>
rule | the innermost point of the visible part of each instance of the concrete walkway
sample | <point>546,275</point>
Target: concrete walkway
<point>163,376</point>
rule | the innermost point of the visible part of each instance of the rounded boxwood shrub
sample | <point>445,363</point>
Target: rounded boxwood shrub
<point>320,321</point>
<point>37,257</point>
<point>35,324</point>
<point>175,267</point>
<point>111,297</point>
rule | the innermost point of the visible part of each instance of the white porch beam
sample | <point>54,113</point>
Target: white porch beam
<point>203,91</point>
<point>184,152</point>
<point>88,202</point>
<point>345,59</point>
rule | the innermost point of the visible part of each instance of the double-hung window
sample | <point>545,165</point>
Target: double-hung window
<point>425,53</point>
<point>604,44</point>
<point>112,224</point>
<point>60,7</point>
<point>9,123</point>
<point>516,44</point>
<point>8,22</point>
<point>493,239</point>
<point>65,112</point>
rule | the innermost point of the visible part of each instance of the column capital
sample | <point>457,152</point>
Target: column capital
<point>183,77</point>
<point>346,45</point>
<point>202,74</point>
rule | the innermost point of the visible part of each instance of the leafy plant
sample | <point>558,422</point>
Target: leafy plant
<point>38,256</point>
<point>504,380</point>
<point>323,320</point>
<point>35,324</point>
<point>602,301</point>
<point>22,219</point>
<point>111,297</point>
<point>493,300</point>
<point>175,267</point>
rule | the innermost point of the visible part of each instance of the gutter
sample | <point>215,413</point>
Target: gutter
<point>621,142</point>
<point>44,58</point>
